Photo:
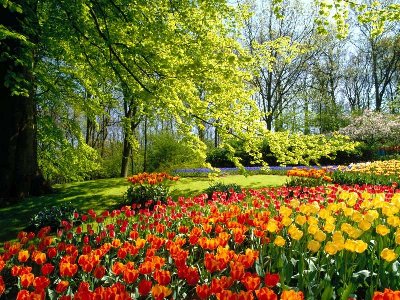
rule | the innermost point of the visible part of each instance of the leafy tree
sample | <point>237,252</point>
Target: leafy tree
<point>281,45</point>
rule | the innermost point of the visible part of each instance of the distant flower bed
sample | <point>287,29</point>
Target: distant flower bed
<point>326,242</point>
<point>386,167</point>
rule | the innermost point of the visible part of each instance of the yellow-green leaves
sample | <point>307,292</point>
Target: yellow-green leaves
<point>291,148</point>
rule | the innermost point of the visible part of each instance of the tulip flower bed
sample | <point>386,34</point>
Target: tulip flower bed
<point>309,177</point>
<point>325,242</point>
<point>376,172</point>
<point>387,167</point>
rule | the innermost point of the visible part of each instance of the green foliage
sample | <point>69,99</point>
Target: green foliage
<point>110,162</point>
<point>352,178</point>
<point>61,160</point>
<point>167,152</point>
<point>52,216</point>
<point>361,153</point>
<point>228,188</point>
<point>219,158</point>
<point>141,194</point>
<point>301,149</point>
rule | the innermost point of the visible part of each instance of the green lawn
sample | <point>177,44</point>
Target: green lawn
<point>106,194</point>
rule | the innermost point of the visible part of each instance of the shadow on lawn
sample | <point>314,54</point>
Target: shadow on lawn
<point>98,195</point>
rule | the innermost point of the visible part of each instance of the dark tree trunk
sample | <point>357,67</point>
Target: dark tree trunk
<point>19,172</point>
<point>132,121</point>
<point>145,146</point>
<point>126,151</point>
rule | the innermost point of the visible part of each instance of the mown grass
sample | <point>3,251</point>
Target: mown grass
<point>104,194</point>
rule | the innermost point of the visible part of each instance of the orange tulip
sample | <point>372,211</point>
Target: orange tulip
<point>387,294</point>
<point>292,295</point>
<point>68,269</point>
<point>39,257</point>
<point>237,270</point>
<point>266,294</point>
<point>162,277</point>
<point>160,292</point>
<point>203,291</point>
<point>27,279</point>
<point>62,286</point>
<point>118,268</point>
<point>23,256</point>
<point>130,275</point>
<point>2,286</point>
<point>251,281</point>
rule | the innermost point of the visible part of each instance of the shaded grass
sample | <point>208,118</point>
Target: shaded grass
<point>104,194</point>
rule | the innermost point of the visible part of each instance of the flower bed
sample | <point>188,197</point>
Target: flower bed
<point>323,242</point>
<point>386,167</point>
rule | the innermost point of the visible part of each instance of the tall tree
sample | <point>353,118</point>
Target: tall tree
<point>281,46</point>
<point>19,172</point>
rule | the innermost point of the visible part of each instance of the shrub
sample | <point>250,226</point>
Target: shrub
<point>167,152</point>
<point>229,189</point>
<point>218,157</point>
<point>374,128</point>
<point>52,216</point>
<point>148,186</point>
<point>141,194</point>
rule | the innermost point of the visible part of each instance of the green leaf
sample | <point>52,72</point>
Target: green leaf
<point>347,290</point>
<point>327,294</point>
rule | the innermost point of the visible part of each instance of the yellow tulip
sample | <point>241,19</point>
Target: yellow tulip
<point>371,215</point>
<point>286,221</point>
<point>382,230</point>
<point>272,225</point>
<point>357,216</point>
<point>364,225</point>
<point>324,213</point>
<point>285,211</point>
<point>361,246</point>
<point>295,233</point>
<point>397,238</point>
<point>329,227</point>
<point>355,233</point>
<point>393,221</point>
<point>396,200</point>
<point>312,229</point>
<point>279,241</point>
<point>313,246</point>
<point>350,245</point>
<point>389,209</point>
<point>294,203</point>
<point>320,236</point>
<point>300,219</point>
<point>388,255</point>
<point>312,220</point>
<point>348,211</point>
<point>331,248</point>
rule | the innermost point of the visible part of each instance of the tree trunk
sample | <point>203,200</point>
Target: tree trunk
<point>145,146</point>
<point>19,171</point>
<point>126,151</point>
<point>378,99</point>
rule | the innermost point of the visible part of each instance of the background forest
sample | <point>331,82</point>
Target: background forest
<point>112,88</point>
